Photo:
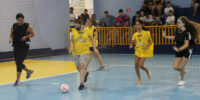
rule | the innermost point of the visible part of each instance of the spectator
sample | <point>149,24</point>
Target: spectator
<point>85,16</point>
<point>147,6</point>
<point>170,19</point>
<point>148,19</point>
<point>168,8</point>
<point>135,18</point>
<point>122,20</point>
<point>142,16</point>
<point>72,17</point>
<point>158,5</point>
<point>156,20</point>
<point>93,20</point>
<point>108,19</point>
<point>196,4</point>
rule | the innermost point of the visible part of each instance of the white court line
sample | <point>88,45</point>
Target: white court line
<point>150,66</point>
<point>39,78</point>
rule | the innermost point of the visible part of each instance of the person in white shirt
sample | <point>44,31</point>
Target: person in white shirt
<point>142,16</point>
<point>168,8</point>
<point>170,19</point>
<point>156,20</point>
<point>72,17</point>
<point>148,19</point>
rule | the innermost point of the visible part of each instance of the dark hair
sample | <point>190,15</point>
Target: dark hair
<point>85,10</point>
<point>138,12</point>
<point>168,2</point>
<point>142,23</point>
<point>106,12</point>
<point>191,26</point>
<point>19,15</point>
<point>120,10</point>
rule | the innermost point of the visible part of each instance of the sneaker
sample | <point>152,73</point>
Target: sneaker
<point>17,83</point>
<point>86,76</point>
<point>29,74</point>
<point>102,68</point>
<point>181,83</point>
<point>81,87</point>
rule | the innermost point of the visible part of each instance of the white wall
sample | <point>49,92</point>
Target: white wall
<point>49,19</point>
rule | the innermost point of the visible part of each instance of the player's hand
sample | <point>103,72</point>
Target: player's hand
<point>164,34</point>
<point>70,50</point>
<point>95,49</point>
<point>131,46</point>
<point>10,40</point>
<point>175,49</point>
<point>145,47</point>
<point>24,38</point>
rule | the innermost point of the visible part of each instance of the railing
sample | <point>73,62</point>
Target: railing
<point>122,35</point>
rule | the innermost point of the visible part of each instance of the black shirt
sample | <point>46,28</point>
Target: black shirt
<point>18,32</point>
<point>181,36</point>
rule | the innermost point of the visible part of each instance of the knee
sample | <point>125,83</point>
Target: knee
<point>19,69</point>
<point>141,65</point>
<point>196,5</point>
<point>176,68</point>
<point>96,52</point>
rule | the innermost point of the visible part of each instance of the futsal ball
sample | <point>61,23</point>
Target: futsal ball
<point>64,88</point>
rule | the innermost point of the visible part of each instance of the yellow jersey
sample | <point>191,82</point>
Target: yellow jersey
<point>141,40</point>
<point>80,42</point>
<point>91,32</point>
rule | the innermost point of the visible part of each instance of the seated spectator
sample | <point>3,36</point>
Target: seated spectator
<point>149,5</point>
<point>142,15</point>
<point>135,18</point>
<point>122,20</point>
<point>108,19</point>
<point>170,19</point>
<point>156,20</point>
<point>168,8</point>
<point>196,4</point>
<point>71,17</point>
<point>85,16</point>
<point>148,19</point>
<point>158,5</point>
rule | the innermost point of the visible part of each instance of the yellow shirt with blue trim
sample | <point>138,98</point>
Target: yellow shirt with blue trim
<point>80,42</point>
<point>141,40</point>
<point>91,32</point>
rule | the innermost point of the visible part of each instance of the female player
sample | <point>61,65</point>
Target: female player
<point>20,35</point>
<point>143,49</point>
<point>185,37</point>
<point>93,31</point>
<point>79,47</point>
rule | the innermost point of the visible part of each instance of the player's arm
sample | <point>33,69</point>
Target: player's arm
<point>186,44</point>
<point>30,35</point>
<point>132,42</point>
<point>71,45</point>
<point>95,35</point>
<point>149,42</point>
<point>11,36</point>
<point>168,37</point>
<point>92,40</point>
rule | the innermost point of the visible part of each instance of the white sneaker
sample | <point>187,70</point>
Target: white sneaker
<point>181,83</point>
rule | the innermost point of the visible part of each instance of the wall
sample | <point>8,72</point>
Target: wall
<point>114,5</point>
<point>181,3</point>
<point>49,19</point>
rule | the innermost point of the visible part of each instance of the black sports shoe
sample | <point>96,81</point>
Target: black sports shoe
<point>81,87</point>
<point>86,76</point>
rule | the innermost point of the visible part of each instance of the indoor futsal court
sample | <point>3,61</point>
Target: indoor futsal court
<point>99,50</point>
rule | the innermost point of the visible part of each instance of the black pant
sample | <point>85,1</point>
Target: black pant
<point>20,53</point>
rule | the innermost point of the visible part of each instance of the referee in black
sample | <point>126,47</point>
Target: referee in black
<point>20,35</point>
